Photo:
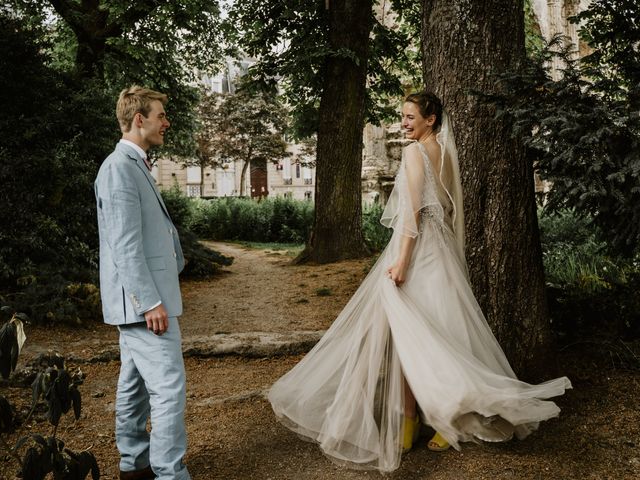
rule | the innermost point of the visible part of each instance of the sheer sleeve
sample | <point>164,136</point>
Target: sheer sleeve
<point>413,194</point>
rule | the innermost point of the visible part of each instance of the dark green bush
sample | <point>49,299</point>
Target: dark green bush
<point>201,261</point>
<point>375,234</point>
<point>269,220</point>
<point>281,220</point>
<point>576,256</point>
<point>591,291</point>
<point>55,131</point>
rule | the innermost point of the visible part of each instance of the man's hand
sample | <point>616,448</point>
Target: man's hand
<point>157,320</point>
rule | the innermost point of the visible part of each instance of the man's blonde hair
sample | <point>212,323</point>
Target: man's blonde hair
<point>134,100</point>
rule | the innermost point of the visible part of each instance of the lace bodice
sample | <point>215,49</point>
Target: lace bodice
<point>419,195</point>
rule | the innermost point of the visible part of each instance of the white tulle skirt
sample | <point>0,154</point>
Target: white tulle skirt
<point>347,395</point>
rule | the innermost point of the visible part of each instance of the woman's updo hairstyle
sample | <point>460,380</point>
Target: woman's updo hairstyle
<point>428,104</point>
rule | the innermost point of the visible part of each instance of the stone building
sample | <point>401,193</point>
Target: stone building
<point>291,177</point>
<point>553,18</point>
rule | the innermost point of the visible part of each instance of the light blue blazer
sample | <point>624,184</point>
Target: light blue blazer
<point>140,253</point>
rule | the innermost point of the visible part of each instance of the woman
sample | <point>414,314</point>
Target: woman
<point>413,332</point>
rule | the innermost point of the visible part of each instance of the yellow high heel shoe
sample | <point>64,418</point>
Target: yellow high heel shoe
<point>438,443</point>
<point>411,432</point>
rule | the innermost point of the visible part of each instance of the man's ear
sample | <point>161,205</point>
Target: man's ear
<point>137,120</point>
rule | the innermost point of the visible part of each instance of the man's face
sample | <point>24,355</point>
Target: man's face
<point>154,126</point>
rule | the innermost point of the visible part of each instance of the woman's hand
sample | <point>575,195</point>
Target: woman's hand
<point>398,272</point>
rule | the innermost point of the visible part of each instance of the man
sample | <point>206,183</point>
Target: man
<point>140,258</point>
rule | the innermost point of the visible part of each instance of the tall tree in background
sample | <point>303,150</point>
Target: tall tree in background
<point>334,59</point>
<point>161,44</point>
<point>583,129</point>
<point>337,229</point>
<point>465,44</point>
<point>247,126</point>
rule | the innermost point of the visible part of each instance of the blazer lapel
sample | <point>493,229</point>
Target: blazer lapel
<point>142,166</point>
<point>133,155</point>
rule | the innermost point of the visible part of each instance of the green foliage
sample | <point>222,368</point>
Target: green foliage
<point>280,220</point>
<point>583,130</point>
<point>576,256</point>
<point>49,455</point>
<point>247,126</point>
<point>291,40</point>
<point>54,130</point>
<point>533,40</point>
<point>375,234</point>
<point>201,261</point>
<point>277,219</point>
<point>58,388</point>
<point>591,291</point>
<point>160,44</point>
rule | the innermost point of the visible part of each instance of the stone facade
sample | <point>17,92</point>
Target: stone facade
<point>553,18</point>
<point>288,178</point>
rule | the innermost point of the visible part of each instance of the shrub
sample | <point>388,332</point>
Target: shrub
<point>57,388</point>
<point>201,261</point>
<point>591,291</point>
<point>55,130</point>
<point>575,255</point>
<point>375,234</point>
<point>277,219</point>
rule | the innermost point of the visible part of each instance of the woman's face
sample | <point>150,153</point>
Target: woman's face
<point>415,126</point>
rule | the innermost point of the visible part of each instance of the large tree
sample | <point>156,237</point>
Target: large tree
<point>247,126</point>
<point>465,44</point>
<point>334,60</point>
<point>337,229</point>
<point>161,44</point>
<point>583,129</point>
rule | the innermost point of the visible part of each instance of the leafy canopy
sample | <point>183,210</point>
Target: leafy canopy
<point>583,130</point>
<point>290,39</point>
<point>162,44</point>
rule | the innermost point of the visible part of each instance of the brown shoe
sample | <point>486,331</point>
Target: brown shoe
<point>144,474</point>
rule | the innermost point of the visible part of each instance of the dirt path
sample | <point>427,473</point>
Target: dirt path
<point>264,292</point>
<point>233,433</point>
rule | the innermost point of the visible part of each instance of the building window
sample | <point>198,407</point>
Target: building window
<point>297,170</point>
<point>307,195</point>
<point>194,174</point>
<point>287,181</point>
<point>288,195</point>
<point>194,191</point>
<point>308,181</point>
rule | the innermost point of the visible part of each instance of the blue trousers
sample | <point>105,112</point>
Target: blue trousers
<point>151,383</point>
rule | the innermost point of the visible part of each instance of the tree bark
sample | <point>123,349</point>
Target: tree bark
<point>243,177</point>
<point>464,45</point>
<point>91,24</point>
<point>337,230</point>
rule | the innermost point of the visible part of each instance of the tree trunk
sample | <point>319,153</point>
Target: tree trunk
<point>464,44</point>
<point>337,229</point>
<point>243,177</point>
<point>89,22</point>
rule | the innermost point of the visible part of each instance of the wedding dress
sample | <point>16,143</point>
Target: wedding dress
<point>346,394</point>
